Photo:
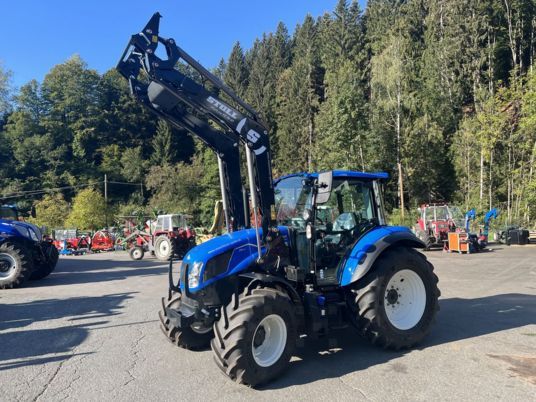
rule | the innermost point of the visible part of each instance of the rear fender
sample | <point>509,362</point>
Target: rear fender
<point>371,246</point>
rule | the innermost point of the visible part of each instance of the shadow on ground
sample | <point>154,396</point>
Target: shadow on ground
<point>30,345</point>
<point>459,319</point>
<point>73,270</point>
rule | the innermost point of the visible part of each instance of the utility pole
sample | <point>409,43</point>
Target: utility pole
<point>106,199</point>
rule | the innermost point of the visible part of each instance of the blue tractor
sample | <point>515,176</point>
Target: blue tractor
<point>24,254</point>
<point>318,256</point>
<point>479,242</point>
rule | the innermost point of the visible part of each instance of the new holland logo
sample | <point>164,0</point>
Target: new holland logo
<point>222,107</point>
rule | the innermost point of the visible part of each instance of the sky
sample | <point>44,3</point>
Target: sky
<point>38,34</point>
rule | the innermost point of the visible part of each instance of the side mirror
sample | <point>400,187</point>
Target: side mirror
<point>325,181</point>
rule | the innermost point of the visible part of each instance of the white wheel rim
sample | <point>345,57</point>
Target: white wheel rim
<point>405,299</point>
<point>137,253</point>
<point>8,266</point>
<point>164,249</point>
<point>269,340</point>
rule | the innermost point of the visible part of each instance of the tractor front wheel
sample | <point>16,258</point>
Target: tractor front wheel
<point>136,253</point>
<point>15,265</point>
<point>198,336</point>
<point>396,302</point>
<point>256,336</point>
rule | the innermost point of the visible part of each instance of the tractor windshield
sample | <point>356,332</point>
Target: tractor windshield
<point>177,221</point>
<point>8,213</point>
<point>292,198</point>
<point>437,213</point>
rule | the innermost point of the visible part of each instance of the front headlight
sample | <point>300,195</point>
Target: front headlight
<point>193,275</point>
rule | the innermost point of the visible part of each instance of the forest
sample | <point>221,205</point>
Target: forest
<point>441,94</point>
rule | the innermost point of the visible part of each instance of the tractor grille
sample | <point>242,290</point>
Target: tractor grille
<point>217,265</point>
<point>183,273</point>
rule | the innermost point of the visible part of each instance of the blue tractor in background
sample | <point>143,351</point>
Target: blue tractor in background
<point>24,254</point>
<point>304,255</point>
<point>478,242</point>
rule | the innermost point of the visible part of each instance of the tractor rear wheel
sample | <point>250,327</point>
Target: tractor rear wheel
<point>136,253</point>
<point>164,248</point>
<point>15,265</point>
<point>196,337</point>
<point>396,302</point>
<point>425,239</point>
<point>256,336</point>
<point>46,267</point>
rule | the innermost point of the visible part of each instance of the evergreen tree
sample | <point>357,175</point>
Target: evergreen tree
<point>5,90</point>
<point>298,97</point>
<point>163,152</point>
<point>343,116</point>
<point>236,72</point>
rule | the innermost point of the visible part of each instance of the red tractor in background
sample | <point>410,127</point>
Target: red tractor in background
<point>166,237</point>
<point>435,222</point>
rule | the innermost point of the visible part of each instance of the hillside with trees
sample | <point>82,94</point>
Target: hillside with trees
<point>440,94</point>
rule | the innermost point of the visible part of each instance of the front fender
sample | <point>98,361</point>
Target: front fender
<point>369,248</point>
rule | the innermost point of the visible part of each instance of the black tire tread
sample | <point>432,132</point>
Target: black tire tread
<point>46,268</point>
<point>231,330</point>
<point>183,338</point>
<point>367,322</point>
<point>23,260</point>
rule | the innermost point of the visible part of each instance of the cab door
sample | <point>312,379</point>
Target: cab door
<point>348,214</point>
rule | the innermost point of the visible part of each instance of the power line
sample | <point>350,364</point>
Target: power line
<point>44,191</point>
<point>30,193</point>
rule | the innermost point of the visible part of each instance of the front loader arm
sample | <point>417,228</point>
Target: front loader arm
<point>242,121</point>
<point>225,147</point>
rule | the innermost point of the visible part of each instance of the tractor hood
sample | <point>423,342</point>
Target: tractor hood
<point>24,229</point>
<point>221,256</point>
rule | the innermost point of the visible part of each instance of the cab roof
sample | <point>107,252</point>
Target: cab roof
<point>343,174</point>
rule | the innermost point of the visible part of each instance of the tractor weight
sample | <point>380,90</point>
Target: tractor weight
<point>195,337</point>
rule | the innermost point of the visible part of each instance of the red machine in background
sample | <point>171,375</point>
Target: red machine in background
<point>102,240</point>
<point>165,237</point>
<point>435,222</point>
<point>71,241</point>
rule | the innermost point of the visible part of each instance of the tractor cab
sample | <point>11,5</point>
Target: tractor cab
<point>326,214</point>
<point>9,213</point>
<point>435,222</point>
<point>170,223</point>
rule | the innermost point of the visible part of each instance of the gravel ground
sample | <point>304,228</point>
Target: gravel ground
<point>90,332</point>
